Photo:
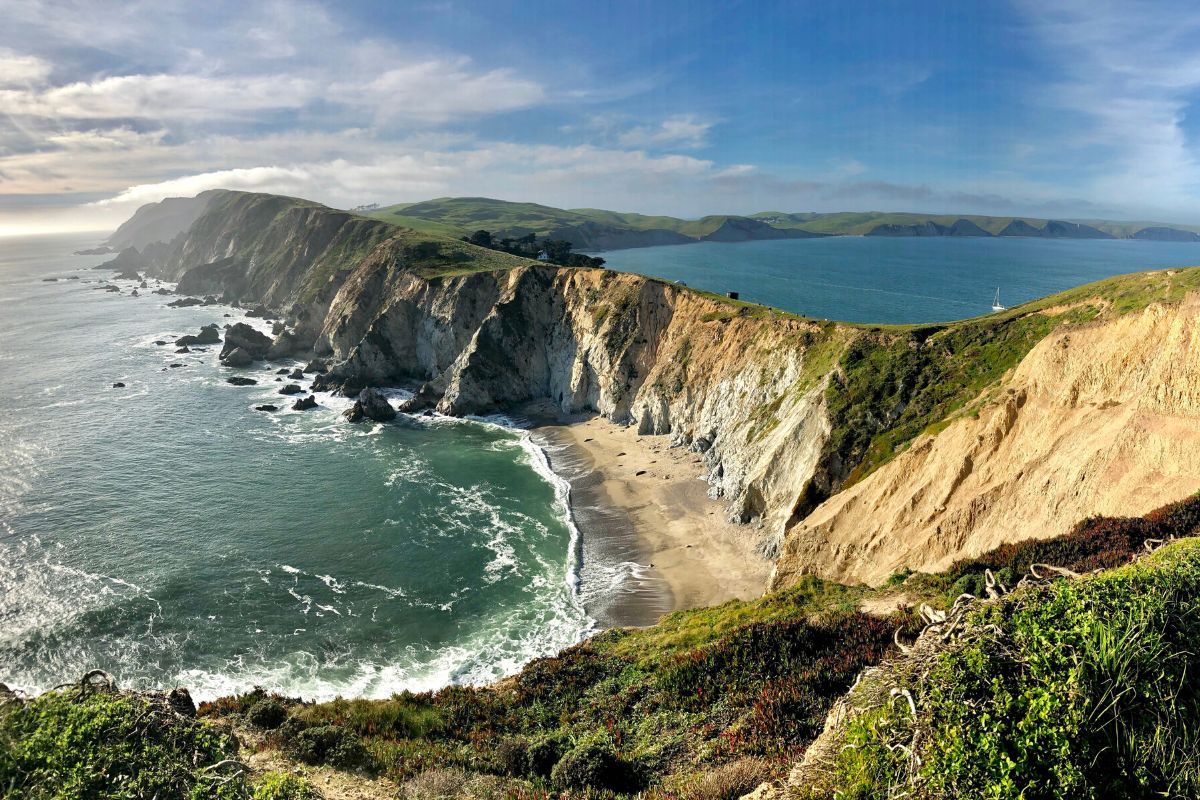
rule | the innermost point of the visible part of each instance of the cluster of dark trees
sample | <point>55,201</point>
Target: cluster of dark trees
<point>556,251</point>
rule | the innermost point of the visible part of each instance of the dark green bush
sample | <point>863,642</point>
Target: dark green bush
<point>328,744</point>
<point>268,713</point>
<point>593,764</point>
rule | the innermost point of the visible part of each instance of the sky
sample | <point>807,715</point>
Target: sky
<point>1046,108</point>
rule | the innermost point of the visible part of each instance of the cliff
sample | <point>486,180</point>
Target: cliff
<point>855,451</point>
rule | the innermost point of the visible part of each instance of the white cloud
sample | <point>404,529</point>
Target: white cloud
<point>681,130</point>
<point>17,69</point>
<point>111,139</point>
<point>436,91</point>
<point>1133,77</point>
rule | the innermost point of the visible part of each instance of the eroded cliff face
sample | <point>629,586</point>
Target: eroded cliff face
<point>1101,418</point>
<point>1098,417</point>
<point>642,352</point>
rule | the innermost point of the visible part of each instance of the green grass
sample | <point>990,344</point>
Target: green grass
<point>91,742</point>
<point>1080,688</point>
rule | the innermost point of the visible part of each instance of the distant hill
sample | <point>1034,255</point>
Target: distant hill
<point>585,228</point>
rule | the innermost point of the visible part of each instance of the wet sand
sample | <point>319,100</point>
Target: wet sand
<point>644,505</point>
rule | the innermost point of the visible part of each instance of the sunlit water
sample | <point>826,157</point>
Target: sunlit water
<point>169,534</point>
<point>899,280</point>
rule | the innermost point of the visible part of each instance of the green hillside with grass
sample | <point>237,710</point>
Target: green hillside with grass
<point>461,216</point>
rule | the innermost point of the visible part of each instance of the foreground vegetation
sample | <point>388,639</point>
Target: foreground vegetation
<point>1072,689</point>
<point>1081,688</point>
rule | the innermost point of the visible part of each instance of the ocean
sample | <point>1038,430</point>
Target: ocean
<point>877,279</point>
<point>170,534</point>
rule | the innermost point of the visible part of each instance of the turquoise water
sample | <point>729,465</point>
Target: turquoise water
<point>169,534</point>
<point>893,280</point>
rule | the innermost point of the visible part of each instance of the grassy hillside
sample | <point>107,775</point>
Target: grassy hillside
<point>1071,688</point>
<point>859,223</point>
<point>461,216</point>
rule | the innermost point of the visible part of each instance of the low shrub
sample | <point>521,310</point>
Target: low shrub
<point>593,764</point>
<point>284,786</point>
<point>267,713</point>
<point>328,744</point>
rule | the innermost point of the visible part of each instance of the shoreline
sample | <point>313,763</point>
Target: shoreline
<point>649,529</point>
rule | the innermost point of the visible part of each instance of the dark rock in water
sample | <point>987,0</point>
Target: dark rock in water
<point>49,280</point>
<point>183,349</point>
<point>176,366</point>
<point>371,404</point>
<point>297,374</point>
<point>227,315</point>
<point>252,342</point>
<point>305,403</point>
<point>199,349</point>
<point>278,328</point>
<point>181,702</point>
<point>184,302</point>
<point>209,334</point>
<point>159,342</point>
<point>266,407</point>
<point>282,371</point>
<point>238,380</point>
<point>116,289</point>
<point>317,366</point>
<point>143,285</point>
<point>260,311</point>
<point>118,385</point>
<point>162,291</point>
<point>126,264</point>
<point>279,380</point>
<point>95,251</point>
<point>134,293</point>
<point>209,300</point>
<point>291,388</point>
<point>237,358</point>
<point>72,277</point>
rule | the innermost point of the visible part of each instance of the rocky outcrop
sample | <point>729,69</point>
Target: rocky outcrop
<point>209,334</point>
<point>241,337</point>
<point>370,404</point>
<point>1097,419</point>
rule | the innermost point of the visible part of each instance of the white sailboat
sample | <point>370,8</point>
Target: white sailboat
<point>996,303</point>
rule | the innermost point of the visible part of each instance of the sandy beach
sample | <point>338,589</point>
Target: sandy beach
<point>640,499</point>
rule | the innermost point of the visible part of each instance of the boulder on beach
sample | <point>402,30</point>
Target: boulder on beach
<point>291,388</point>
<point>241,336</point>
<point>266,407</point>
<point>305,403</point>
<point>238,380</point>
<point>237,358</point>
<point>370,404</point>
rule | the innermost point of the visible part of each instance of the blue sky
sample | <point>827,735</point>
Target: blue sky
<point>1066,109</point>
